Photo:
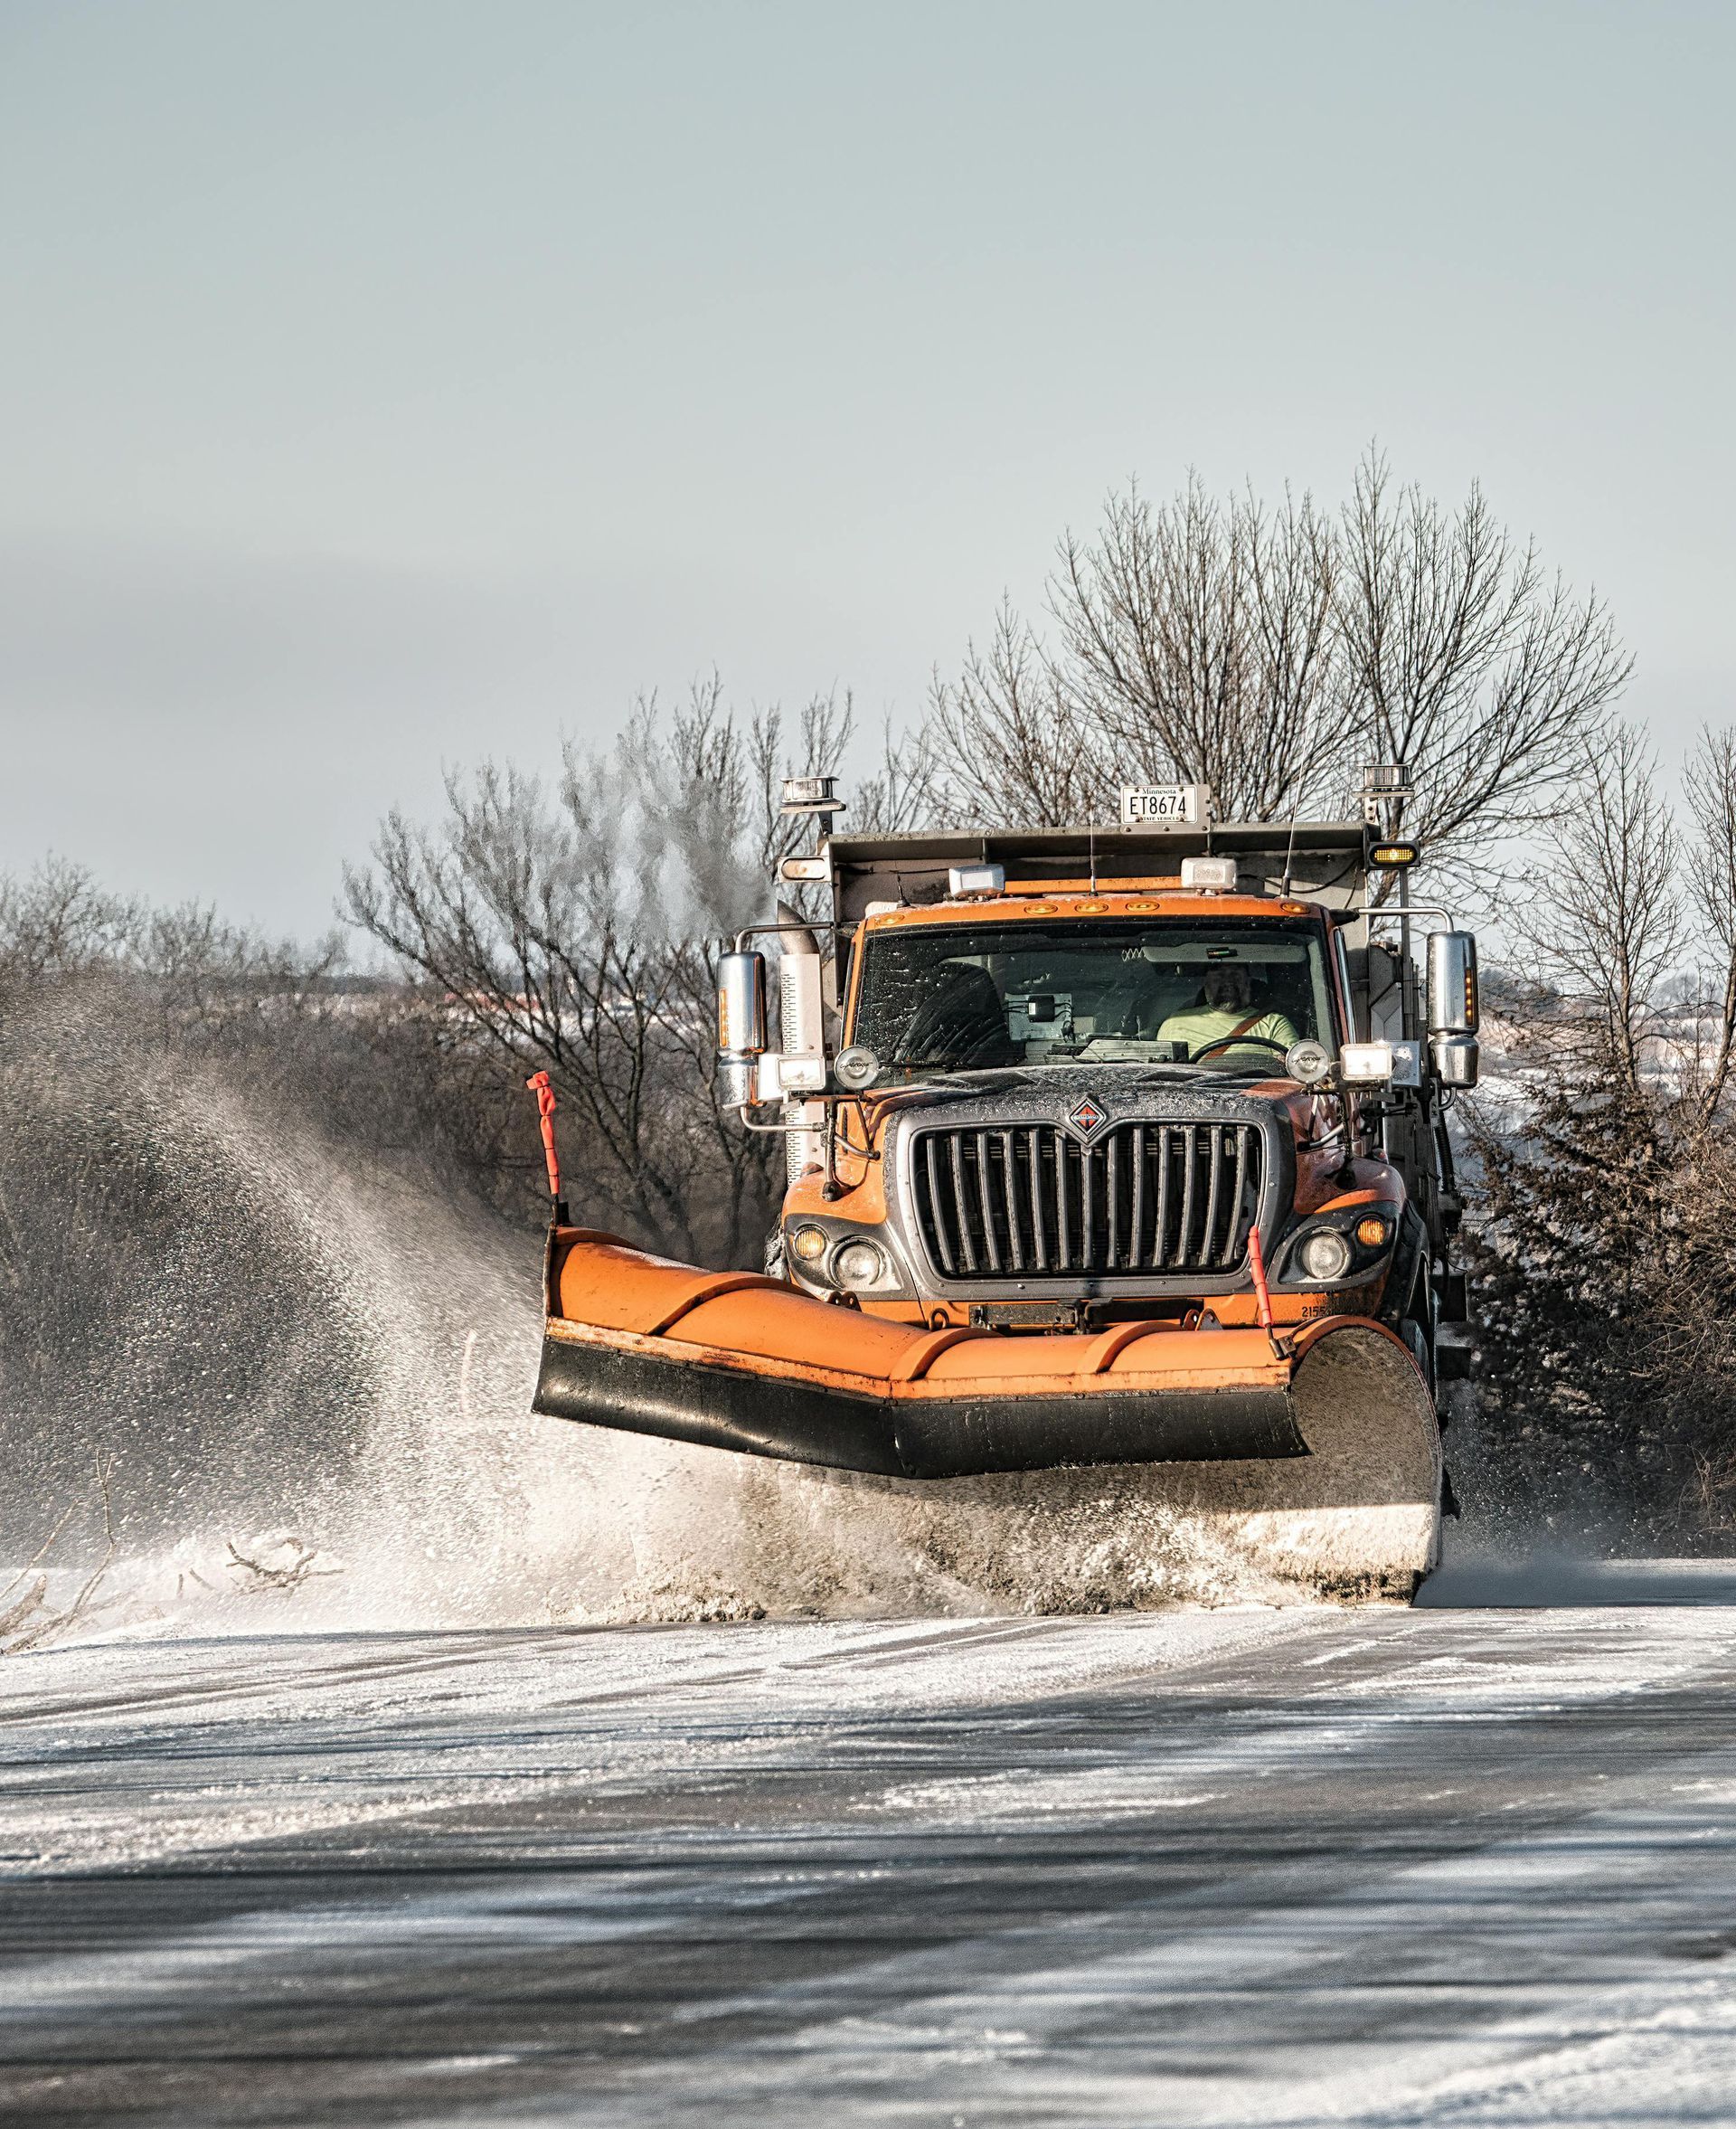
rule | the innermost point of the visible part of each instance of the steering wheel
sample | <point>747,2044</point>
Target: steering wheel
<point>1237,1042</point>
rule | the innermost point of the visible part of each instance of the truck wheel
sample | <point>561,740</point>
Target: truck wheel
<point>1416,1327</point>
<point>1421,1348</point>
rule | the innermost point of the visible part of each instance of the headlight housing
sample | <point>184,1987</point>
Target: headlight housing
<point>1339,1248</point>
<point>860,1266</point>
<point>1325,1255</point>
<point>823,1253</point>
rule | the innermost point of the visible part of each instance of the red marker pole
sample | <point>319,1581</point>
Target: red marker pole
<point>539,1085</point>
<point>1262,1293</point>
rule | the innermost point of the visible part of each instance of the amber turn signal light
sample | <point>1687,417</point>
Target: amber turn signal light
<point>1372,1231</point>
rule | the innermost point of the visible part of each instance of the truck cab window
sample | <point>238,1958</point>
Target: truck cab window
<point>1229,997</point>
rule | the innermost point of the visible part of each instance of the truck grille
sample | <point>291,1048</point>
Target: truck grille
<point>1011,1201</point>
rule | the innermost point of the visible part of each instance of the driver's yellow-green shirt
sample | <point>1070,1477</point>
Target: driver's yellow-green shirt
<point>1201,1026</point>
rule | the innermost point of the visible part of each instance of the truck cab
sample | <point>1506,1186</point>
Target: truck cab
<point>1054,1081</point>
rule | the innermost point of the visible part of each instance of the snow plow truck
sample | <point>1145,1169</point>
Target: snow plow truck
<point>1104,1146</point>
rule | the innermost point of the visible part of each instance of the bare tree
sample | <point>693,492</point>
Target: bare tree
<point>1198,641</point>
<point>1710,786</point>
<point>1461,660</point>
<point>529,924</point>
<point>1273,652</point>
<point>1194,641</point>
<point>571,930</point>
<point>715,799</point>
<point>57,921</point>
<point>904,789</point>
<point>1603,924</point>
<point>1602,1241</point>
<point>1016,746</point>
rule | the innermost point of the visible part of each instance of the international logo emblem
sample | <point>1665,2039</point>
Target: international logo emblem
<point>1088,1117</point>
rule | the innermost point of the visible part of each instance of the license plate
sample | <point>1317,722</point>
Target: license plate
<point>1158,806</point>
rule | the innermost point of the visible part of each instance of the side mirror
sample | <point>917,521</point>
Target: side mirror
<point>741,1023</point>
<point>1452,984</point>
<point>1456,1059</point>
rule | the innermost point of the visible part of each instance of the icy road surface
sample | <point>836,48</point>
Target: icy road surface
<point>1473,1866</point>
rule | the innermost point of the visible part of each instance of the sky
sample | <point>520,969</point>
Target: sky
<point>388,385</point>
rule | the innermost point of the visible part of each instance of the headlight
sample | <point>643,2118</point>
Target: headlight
<point>1325,1255</point>
<point>808,1244</point>
<point>859,1266</point>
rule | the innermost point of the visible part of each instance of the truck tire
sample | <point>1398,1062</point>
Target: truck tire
<point>1422,1350</point>
<point>1416,1327</point>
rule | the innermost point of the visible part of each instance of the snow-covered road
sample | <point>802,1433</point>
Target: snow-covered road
<point>1472,1866</point>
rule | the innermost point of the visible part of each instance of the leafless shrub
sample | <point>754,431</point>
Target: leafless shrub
<point>27,1619</point>
<point>56,921</point>
<point>282,1561</point>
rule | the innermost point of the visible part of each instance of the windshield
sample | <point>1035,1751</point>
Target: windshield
<point>1225,996</point>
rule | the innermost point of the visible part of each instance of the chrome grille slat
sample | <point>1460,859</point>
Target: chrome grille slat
<point>1186,1235</point>
<point>935,1229</point>
<point>1039,1226</point>
<point>991,1242</point>
<point>1136,1240</point>
<point>1160,1238</point>
<point>1010,1186</point>
<point>1006,1201</point>
<point>1213,1190</point>
<point>961,1206</point>
<point>1236,1194</point>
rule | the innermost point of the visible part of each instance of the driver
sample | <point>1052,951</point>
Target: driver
<point>1229,1012</point>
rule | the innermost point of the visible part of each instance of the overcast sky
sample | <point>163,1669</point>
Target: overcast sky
<point>386,384</point>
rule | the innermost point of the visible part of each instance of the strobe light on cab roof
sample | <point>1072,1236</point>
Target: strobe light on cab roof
<point>976,882</point>
<point>815,799</point>
<point>1210,876</point>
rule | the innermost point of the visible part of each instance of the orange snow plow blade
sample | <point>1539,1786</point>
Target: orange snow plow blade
<point>1328,1436</point>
